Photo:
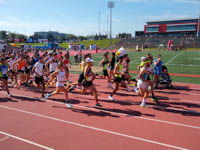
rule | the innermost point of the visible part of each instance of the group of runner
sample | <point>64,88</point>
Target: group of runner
<point>53,69</point>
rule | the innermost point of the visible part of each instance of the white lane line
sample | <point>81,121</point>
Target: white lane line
<point>184,65</point>
<point>174,57</point>
<point>122,114</point>
<point>25,140</point>
<point>94,128</point>
<point>3,139</point>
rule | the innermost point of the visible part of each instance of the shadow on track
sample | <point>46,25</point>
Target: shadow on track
<point>6,99</point>
<point>90,112</point>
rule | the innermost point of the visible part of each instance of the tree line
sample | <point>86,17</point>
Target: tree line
<point>10,36</point>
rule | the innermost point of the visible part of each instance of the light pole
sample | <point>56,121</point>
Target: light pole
<point>99,23</point>
<point>198,26</point>
<point>111,5</point>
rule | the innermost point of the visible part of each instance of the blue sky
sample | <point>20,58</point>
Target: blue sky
<point>80,17</point>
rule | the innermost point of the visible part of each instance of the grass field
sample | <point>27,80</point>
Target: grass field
<point>101,43</point>
<point>182,62</point>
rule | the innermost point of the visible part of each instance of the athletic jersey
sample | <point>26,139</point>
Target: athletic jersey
<point>29,64</point>
<point>82,65</point>
<point>66,62</point>
<point>39,68</point>
<point>142,64</point>
<point>3,70</point>
<point>145,75</point>
<point>22,65</point>
<point>89,75</point>
<point>125,66</point>
<point>105,63</point>
<point>53,65</point>
<point>11,62</point>
<point>120,70</point>
<point>112,63</point>
<point>61,76</point>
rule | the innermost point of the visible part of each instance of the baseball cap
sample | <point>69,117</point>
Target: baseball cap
<point>89,60</point>
<point>143,58</point>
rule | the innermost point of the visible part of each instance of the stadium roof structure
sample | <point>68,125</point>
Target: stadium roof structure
<point>182,19</point>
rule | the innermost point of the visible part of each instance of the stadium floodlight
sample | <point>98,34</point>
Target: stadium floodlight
<point>111,5</point>
<point>198,24</point>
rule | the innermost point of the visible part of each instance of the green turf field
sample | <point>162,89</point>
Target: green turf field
<point>182,62</point>
<point>101,43</point>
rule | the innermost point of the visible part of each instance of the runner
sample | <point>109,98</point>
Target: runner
<point>112,65</point>
<point>126,76</point>
<point>89,78</point>
<point>10,62</point>
<point>81,75</point>
<point>67,64</point>
<point>61,78</point>
<point>149,61</point>
<point>4,67</point>
<point>104,63</point>
<point>118,72</point>
<point>21,69</point>
<point>38,72</point>
<point>52,63</point>
<point>142,83</point>
<point>28,68</point>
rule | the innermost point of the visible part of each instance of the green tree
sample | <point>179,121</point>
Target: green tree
<point>12,35</point>
<point>21,36</point>
<point>70,37</point>
<point>3,35</point>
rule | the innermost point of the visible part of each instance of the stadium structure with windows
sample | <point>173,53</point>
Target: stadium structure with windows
<point>178,27</point>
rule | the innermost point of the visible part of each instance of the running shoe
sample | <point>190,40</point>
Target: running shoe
<point>110,86</point>
<point>42,97</point>
<point>47,96</point>
<point>111,98</point>
<point>71,88</point>
<point>155,99</point>
<point>136,90</point>
<point>68,105</point>
<point>98,105</point>
<point>128,89</point>
<point>143,105</point>
<point>9,95</point>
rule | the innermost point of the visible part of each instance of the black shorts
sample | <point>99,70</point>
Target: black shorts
<point>28,71</point>
<point>118,79</point>
<point>105,72</point>
<point>4,78</point>
<point>67,69</point>
<point>124,78</point>
<point>112,68</point>
<point>52,72</point>
<point>148,78</point>
<point>39,79</point>
<point>81,78</point>
<point>13,73</point>
<point>87,84</point>
<point>21,71</point>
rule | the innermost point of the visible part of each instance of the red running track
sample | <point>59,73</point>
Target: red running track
<point>28,123</point>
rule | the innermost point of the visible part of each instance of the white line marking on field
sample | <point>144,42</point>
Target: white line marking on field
<point>183,65</point>
<point>174,57</point>
<point>1,140</point>
<point>25,140</point>
<point>93,128</point>
<point>122,114</point>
